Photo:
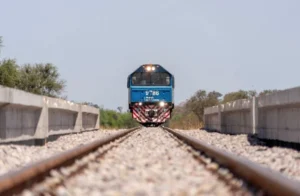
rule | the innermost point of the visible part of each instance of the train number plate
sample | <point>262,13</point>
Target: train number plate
<point>152,93</point>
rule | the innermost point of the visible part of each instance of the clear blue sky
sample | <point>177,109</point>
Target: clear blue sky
<point>212,45</point>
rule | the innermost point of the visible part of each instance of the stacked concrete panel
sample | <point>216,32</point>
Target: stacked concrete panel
<point>25,116</point>
<point>274,116</point>
<point>236,117</point>
<point>212,118</point>
<point>233,117</point>
<point>279,115</point>
<point>89,117</point>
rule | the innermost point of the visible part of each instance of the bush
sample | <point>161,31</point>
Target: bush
<point>41,79</point>
<point>9,73</point>
<point>110,119</point>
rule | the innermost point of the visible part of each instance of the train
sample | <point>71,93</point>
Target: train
<point>151,95</point>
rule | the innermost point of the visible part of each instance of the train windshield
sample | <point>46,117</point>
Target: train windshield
<point>151,79</point>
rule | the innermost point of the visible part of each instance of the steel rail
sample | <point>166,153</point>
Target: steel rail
<point>272,183</point>
<point>16,181</point>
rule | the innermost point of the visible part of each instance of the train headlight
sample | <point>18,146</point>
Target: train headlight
<point>140,103</point>
<point>153,68</point>
<point>148,68</point>
<point>162,104</point>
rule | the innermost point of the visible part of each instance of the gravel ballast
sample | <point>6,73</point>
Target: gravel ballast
<point>284,160</point>
<point>149,162</point>
<point>16,156</point>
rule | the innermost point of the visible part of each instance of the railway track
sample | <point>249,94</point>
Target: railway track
<point>143,162</point>
<point>15,182</point>
<point>272,183</point>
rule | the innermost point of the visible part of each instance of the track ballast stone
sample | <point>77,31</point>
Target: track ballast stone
<point>284,160</point>
<point>150,162</point>
<point>14,157</point>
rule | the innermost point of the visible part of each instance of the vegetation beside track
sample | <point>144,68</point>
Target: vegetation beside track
<point>114,119</point>
<point>111,119</point>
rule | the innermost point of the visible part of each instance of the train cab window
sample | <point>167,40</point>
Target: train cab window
<point>133,80</point>
<point>151,79</point>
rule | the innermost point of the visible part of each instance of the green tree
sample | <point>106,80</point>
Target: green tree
<point>189,114</point>
<point>42,79</point>
<point>9,74</point>
<point>213,98</point>
<point>196,103</point>
<point>201,100</point>
<point>252,93</point>
<point>115,120</point>
<point>265,92</point>
<point>241,94</point>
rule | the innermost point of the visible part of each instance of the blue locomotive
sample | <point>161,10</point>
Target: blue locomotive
<point>151,94</point>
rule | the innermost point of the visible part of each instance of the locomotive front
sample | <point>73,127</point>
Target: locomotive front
<point>151,89</point>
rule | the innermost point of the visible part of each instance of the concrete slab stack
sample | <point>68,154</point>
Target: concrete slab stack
<point>29,117</point>
<point>279,115</point>
<point>274,116</point>
<point>233,117</point>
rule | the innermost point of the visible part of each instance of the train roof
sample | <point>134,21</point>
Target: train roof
<point>142,68</point>
<point>158,67</point>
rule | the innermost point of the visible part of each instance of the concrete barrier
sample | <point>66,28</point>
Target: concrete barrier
<point>274,116</point>
<point>212,118</point>
<point>279,115</point>
<point>233,117</point>
<point>33,118</point>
